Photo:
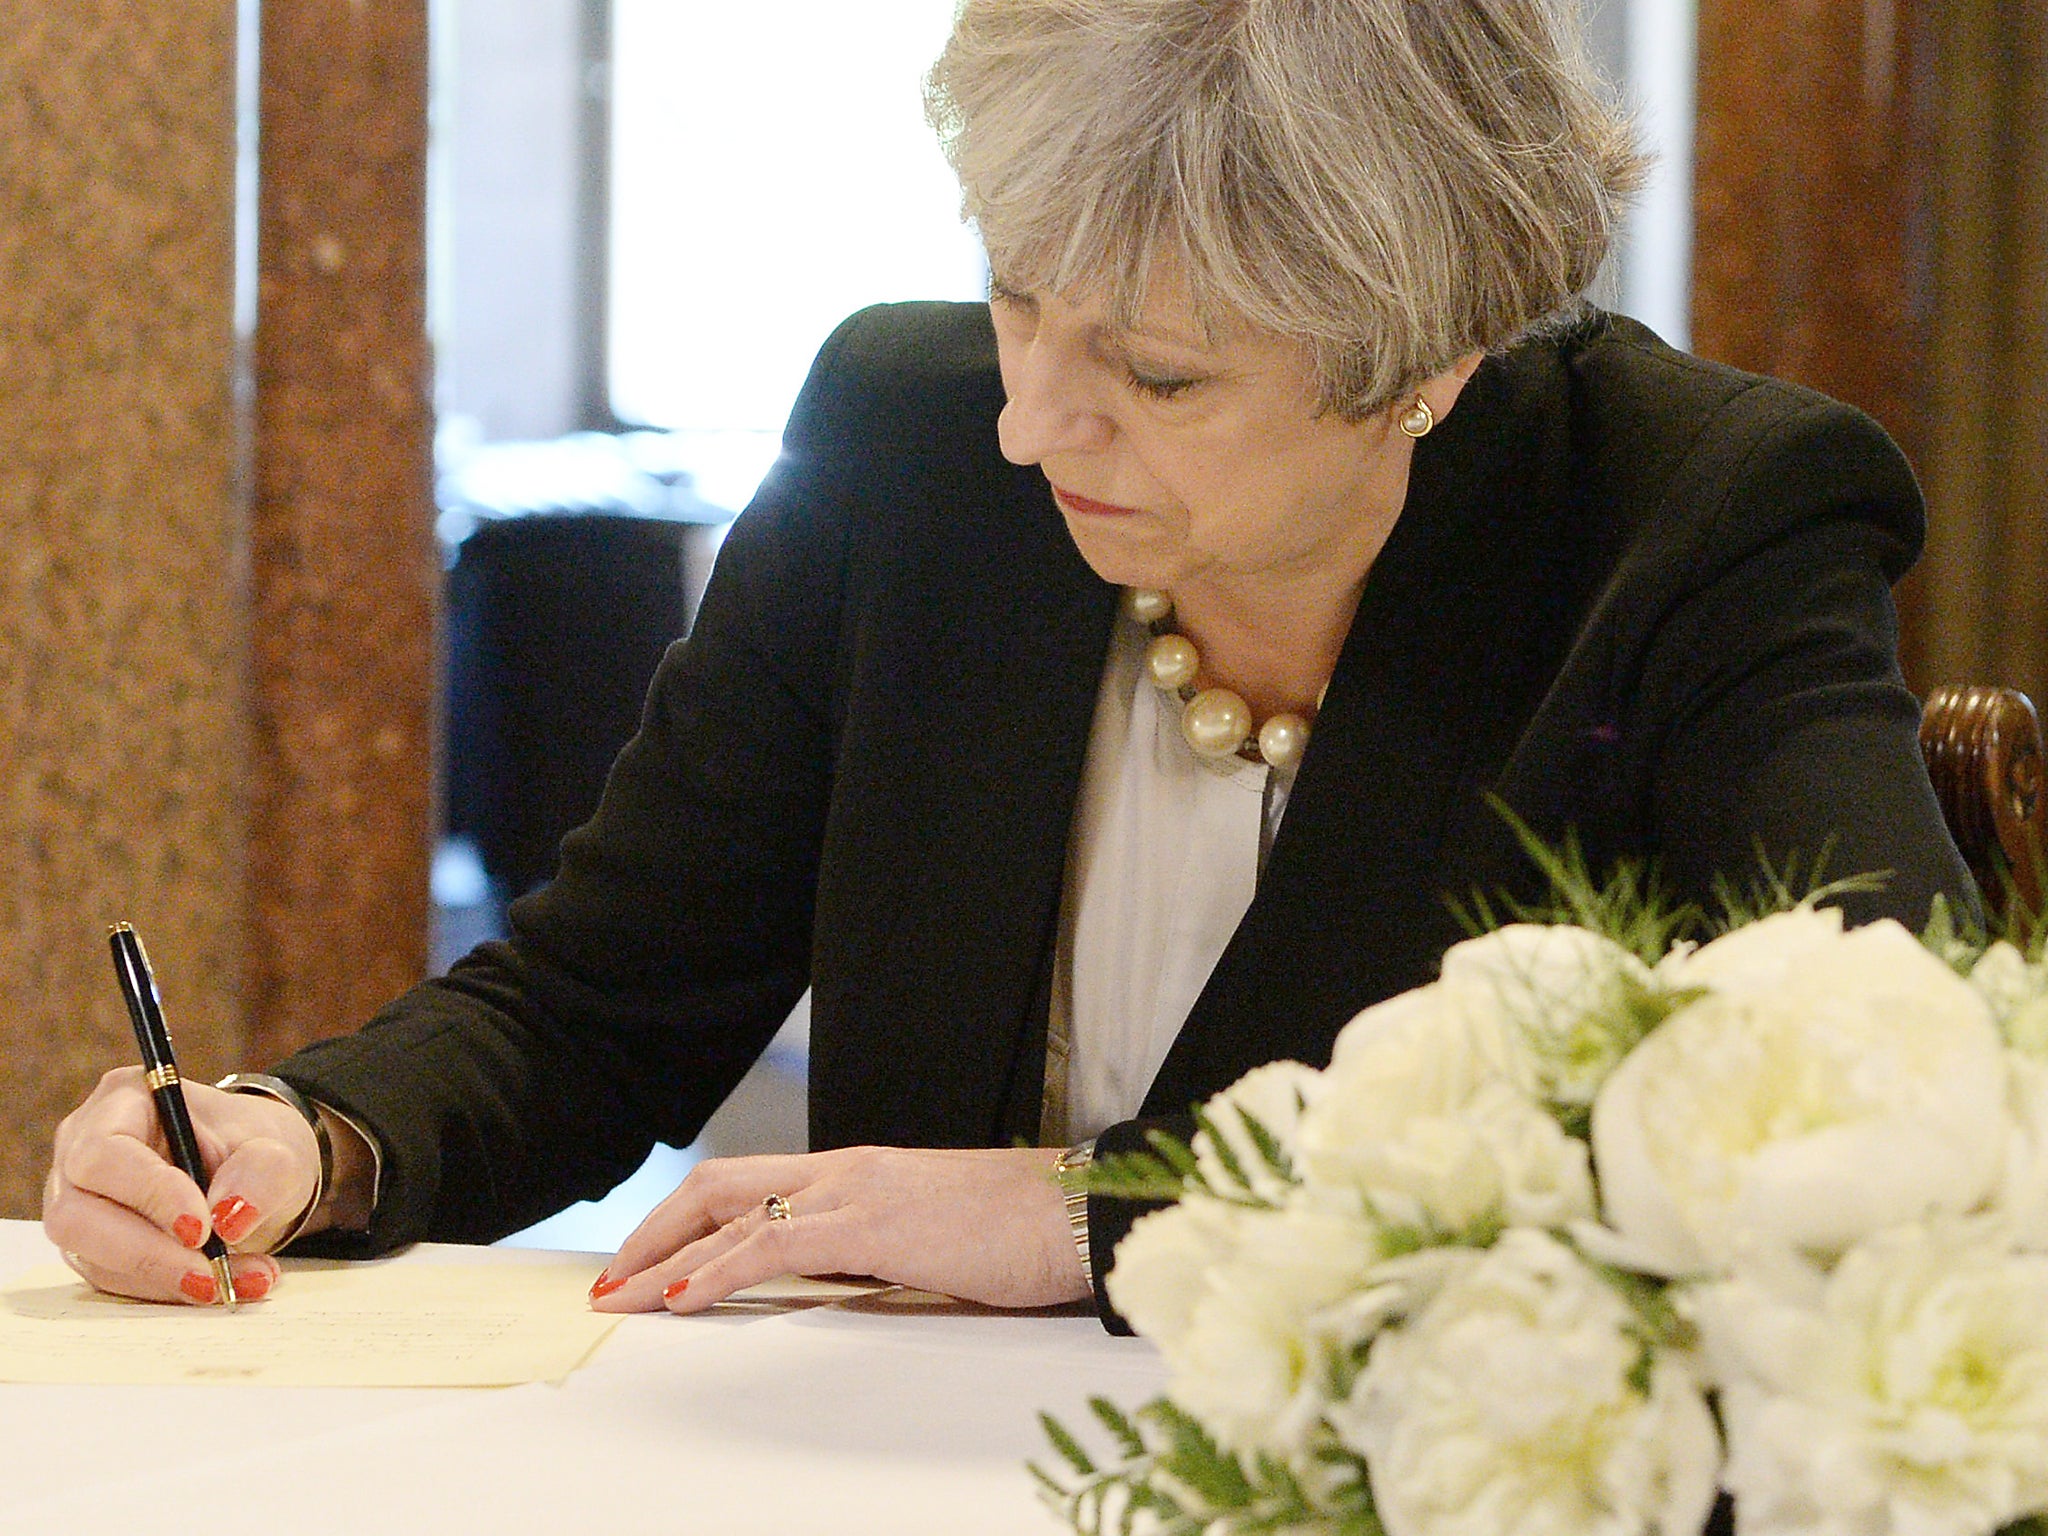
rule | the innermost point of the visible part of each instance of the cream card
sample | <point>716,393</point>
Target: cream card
<point>408,1323</point>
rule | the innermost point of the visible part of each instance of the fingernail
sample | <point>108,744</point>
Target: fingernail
<point>200,1288</point>
<point>604,1285</point>
<point>189,1230</point>
<point>677,1289</point>
<point>253,1285</point>
<point>233,1218</point>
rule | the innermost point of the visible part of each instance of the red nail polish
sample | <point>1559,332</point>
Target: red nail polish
<point>200,1288</point>
<point>189,1230</point>
<point>233,1218</point>
<point>253,1285</point>
<point>677,1289</point>
<point>604,1285</point>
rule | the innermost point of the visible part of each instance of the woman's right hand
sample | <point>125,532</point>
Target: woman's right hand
<point>128,1221</point>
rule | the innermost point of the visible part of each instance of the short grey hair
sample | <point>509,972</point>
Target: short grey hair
<point>1394,183</point>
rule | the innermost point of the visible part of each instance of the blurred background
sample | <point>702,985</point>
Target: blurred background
<point>377,382</point>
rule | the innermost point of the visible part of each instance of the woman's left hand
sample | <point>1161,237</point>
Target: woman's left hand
<point>984,1225</point>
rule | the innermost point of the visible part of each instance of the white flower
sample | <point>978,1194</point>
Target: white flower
<point>2023,1194</point>
<point>1485,1046</point>
<point>1273,1096</point>
<point>2017,993</point>
<point>1756,957</point>
<point>1577,996</point>
<point>1510,1404</point>
<point>1904,1395</point>
<point>1252,1362</point>
<point>1395,1288</point>
<point>1420,1122</point>
<point>1162,1266</point>
<point>1862,1085</point>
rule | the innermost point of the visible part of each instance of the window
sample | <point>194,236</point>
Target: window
<point>771,172</point>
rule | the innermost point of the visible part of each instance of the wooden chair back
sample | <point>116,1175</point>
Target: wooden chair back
<point>1983,751</point>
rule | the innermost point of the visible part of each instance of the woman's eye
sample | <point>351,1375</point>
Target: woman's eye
<point>1159,386</point>
<point>1009,298</point>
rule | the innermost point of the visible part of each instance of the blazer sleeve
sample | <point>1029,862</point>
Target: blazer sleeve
<point>1769,701</point>
<point>638,986</point>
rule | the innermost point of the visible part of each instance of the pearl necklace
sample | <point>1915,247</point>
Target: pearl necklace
<point>1215,721</point>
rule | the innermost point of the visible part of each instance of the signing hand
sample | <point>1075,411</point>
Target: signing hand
<point>129,1222</point>
<point>987,1226</point>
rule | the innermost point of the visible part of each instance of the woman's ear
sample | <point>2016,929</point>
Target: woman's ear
<point>1442,391</point>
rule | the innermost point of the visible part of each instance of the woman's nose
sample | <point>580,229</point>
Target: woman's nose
<point>1048,412</point>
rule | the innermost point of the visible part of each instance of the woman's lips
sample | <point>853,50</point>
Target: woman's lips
<point>1089,507</point>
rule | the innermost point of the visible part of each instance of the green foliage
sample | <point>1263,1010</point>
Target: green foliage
<point>1129,1442</point>
<point>1171,1472</point>
<point>1629,906</point>
<point>1275,1163</point>
<point>1275,1155</point>
<point>2023,928</point>
<point>1399,1239</point>
<point>1219,1144</point>
<point>1068,1447</point>
<point>1658,1325</point>
<point>1772,890</point>
<point>2029,931</point>
<point>1130,1176</point>
<point>1171,1170</point>
<point>1575,1120</point>
<point>1167,1172</point>
<point>1959,941</point>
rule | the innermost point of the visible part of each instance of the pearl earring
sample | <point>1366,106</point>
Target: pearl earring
<point>1418,419</point>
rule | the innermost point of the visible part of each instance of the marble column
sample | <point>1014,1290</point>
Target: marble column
<point>123,555</point>
<point>346,576</point>
<point>217,571</point>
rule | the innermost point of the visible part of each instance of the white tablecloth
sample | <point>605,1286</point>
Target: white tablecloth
<point>848,1419</point>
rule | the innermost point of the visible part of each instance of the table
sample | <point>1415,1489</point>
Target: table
<point>854,1417</point>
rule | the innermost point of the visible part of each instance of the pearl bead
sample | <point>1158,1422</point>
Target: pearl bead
<point>1216,722</point>
<point>1283,739</point>
<point>1146,605</point>
<point>1172,661</point>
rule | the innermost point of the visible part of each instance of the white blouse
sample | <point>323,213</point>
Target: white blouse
<point>1162,863</point>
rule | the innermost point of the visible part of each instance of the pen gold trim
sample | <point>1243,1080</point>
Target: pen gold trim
<point>160,1071</point>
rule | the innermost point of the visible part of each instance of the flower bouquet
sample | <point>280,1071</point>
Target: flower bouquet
<point>1599,1226</point>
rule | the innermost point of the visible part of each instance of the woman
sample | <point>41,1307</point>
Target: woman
<point>1280,338</point>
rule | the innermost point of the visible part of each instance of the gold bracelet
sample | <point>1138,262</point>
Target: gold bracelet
<point>1070,1163</point>
<point>277,1088</point>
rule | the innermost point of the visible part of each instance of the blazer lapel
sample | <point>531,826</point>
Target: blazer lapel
<point>991,725</point>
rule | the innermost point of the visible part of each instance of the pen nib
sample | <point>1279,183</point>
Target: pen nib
<point>224,1282</point>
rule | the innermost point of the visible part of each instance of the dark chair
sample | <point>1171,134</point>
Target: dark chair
<point>555,623</point>
<point>1983,751</point>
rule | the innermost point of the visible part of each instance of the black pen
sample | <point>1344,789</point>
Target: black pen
<point>146,1013</point>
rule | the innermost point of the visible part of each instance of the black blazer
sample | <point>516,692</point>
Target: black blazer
<point>1633,593</point>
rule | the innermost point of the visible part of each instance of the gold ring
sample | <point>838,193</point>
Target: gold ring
<point>777,1207</point>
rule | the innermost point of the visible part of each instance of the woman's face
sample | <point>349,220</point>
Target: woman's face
<point>1178,461</point>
